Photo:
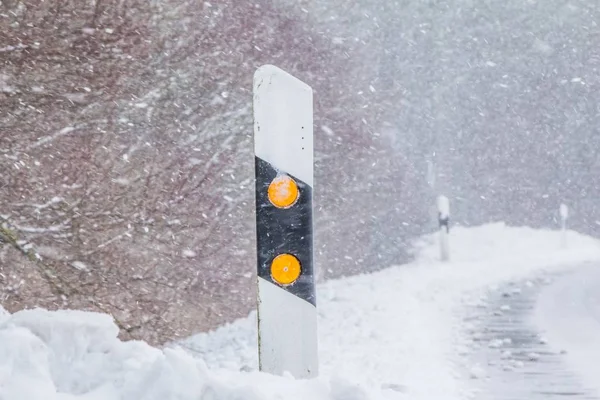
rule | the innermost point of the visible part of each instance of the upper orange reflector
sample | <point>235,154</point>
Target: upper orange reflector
<point>285,269</point>
<point>283,191</point>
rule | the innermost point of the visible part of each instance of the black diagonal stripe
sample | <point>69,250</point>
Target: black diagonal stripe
<point>284,231</point>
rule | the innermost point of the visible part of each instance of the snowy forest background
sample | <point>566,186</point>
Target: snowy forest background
<point>126,165</point>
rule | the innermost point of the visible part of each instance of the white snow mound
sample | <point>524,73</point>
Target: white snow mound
<point>68,355</point>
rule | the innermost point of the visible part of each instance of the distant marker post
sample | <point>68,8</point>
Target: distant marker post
<point>564,215</point>
<point>443,205</point>
<point>283,147</point>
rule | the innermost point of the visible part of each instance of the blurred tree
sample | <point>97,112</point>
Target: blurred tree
<point>126,157</point>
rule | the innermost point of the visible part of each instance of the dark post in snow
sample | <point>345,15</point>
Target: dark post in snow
<point>283,147</point>
<point>443,205</point>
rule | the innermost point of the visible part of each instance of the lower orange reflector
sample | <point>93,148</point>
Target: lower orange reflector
<point>283,191</point>
<point>285,269</point>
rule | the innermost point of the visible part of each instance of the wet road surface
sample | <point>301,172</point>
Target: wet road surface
<point>510,355</point>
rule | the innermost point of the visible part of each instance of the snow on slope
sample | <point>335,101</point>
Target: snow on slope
<point>69,355</point>
<point>402,328</point>
<point>388,335</point>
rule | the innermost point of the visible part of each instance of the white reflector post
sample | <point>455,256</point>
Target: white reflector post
<point>564,215</point>
<point>443,205</point>
<point>283,146</point>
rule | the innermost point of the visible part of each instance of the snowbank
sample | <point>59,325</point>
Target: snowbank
<point>402,329</point>
<point>392,334</point>
<point>69,355</point>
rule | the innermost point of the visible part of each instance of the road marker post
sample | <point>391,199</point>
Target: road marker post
<point>443,205</point>
<point>564,215</point>
<point>283,147</point>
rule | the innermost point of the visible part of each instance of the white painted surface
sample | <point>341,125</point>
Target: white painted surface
<point>283,122</point>
<point>443,205</point>
<point>444,244</point>
<point>283,137</point>
<point>564,211</point>
<point>287,328</point>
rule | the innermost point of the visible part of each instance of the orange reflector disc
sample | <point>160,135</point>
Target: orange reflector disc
<point>283,191</point>
<point>285,269</point>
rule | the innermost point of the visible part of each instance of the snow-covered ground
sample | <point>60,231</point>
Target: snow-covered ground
<point>397,333</point>
<point>70,355</point>
<point>402,329</point>
<point>568,315</point>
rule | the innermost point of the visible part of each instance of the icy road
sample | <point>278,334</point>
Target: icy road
<point>568,312</point>
<point>538,338</point>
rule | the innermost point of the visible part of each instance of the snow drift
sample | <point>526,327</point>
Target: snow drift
<point>397,333</point>
<point>76,355</point>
